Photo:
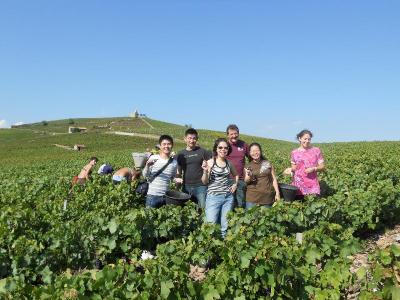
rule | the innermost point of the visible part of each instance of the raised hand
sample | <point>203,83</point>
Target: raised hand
<point>288,171</point>
<point>151,162</point>
<point>178,180</point>
<point>310,170</point>
<point>248,172</point>
<point>204,165</point>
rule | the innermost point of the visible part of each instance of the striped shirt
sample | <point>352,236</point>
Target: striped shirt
<point>160,185</point>
<point>219,182</point>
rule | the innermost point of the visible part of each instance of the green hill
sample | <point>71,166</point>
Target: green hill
<point>34,143</point>
<point>101,125</point>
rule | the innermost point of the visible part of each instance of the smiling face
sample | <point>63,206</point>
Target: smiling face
<point>233,136</point>
<point>191,141</point>
<point>305,141</point>
<point>222,149</point>
<point>255,152</point>
<point>165,147</point>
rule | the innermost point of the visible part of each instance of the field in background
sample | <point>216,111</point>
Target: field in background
<point>32,143</point>
<point>93,249</point>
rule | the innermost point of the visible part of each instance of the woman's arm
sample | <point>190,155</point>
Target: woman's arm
<point>319,161</point>
<point>275,184</point>
<point>290,171</point>
<point>319,167</point>
<point>247,175</point>
<point>206,166</point>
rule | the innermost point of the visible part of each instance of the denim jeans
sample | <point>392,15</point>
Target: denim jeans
<point>199,192</point>
<point>240,194</point>
<point>217,207</point>
<point>155,201</point>
<point>251,204</point>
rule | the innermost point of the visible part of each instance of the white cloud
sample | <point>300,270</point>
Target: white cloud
<point>18,123</point>
<point>3,124</point>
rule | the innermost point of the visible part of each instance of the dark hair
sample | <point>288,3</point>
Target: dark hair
<point>262,157</point>
<point>191,131</point>
<point>166,137</point>
<point>303,132</point>
<point>232,127</point>
<point>219,140</point>
<point>94,158</point>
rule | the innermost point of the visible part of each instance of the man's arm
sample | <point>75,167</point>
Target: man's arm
<point>236,178</point>
<point>178,177</point>
<point>246,150</point>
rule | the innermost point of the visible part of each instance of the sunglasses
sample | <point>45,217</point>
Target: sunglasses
<point>221,147</point>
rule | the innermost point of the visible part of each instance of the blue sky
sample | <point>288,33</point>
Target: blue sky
<point>272,67</point>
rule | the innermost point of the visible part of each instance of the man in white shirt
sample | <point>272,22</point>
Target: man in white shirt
<point>160,184</point>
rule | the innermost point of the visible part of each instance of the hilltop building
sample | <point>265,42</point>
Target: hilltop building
<point>134,114</point>
<point>72,129</point>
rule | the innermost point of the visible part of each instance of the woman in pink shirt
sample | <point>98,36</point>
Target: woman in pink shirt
<point>306,162</point>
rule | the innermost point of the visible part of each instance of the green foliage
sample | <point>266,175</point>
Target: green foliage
<point>381,279</point>
<point>93,249</point>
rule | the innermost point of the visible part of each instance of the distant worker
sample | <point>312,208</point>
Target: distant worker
<point>126,174</point>
<point>86,171</point>
<point>190,161</point>
<point>240,150</point>
<point>160,169</point>
<point>306,162</point>
<point>105,169</point>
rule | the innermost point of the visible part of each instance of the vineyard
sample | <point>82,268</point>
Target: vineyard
<point>94,249</point>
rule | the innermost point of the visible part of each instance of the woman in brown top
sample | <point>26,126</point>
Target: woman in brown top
<point>262,186</point>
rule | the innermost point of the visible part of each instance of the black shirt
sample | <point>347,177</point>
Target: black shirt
<point>190,162</point>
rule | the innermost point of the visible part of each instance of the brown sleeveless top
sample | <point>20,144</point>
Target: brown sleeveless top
<point>260,189</point>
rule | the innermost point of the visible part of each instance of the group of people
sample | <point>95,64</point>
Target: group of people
<point>222,179</point>
<point>120,175</point>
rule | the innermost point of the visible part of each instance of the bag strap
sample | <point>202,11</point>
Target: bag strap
<point>161,170</point>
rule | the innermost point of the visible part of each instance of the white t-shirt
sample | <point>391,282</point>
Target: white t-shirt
<point>160,185</point>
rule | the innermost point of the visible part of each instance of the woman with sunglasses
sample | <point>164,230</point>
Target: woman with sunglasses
<point>217,173</point>
<point>262,185</point>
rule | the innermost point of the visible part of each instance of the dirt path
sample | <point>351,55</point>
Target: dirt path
<point>373,243</point>
<point>144,135</point>
<point>147,123</point>
<point>361,259</point>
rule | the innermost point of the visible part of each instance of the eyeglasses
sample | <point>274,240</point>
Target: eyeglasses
<point>220,147</point>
